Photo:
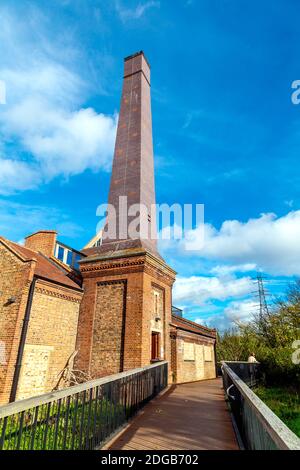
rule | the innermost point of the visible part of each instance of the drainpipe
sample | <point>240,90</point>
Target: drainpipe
<point>215,353</point>
<point>15,381</point>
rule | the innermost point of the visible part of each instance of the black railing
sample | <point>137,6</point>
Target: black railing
<point>81,417</point>
<point>258,427</point>
<point>249,372</point>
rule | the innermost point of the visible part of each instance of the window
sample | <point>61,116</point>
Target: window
<point>188,351</point>
<point>76,259</point>
<point>69,257</point>
<point>60,253</point>
<point>208,353</point>
<point>155,346</point>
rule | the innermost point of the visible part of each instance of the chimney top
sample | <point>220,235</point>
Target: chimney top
<point>42,241</point>
<point>136,54</point>
<point>40,231</point>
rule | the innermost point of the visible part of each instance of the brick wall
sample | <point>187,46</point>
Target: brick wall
<point>192,356</point>
<point>143,274</point>
<point>156,284</point>
<point>108,331</point>
<point>50,339</point>
<point>42,241</point>
<point>15,278</point>
<point>157,316</point>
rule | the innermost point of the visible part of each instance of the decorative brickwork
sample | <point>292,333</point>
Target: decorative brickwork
<point>61,294</point>
<point>144,274</point>
<point>108,332</point>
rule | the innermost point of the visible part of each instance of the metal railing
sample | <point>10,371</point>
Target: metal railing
<point>249,372</point>
<point>258,426</point>
<point>80,417</point>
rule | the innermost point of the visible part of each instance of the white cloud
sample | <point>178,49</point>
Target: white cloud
<point>236,312</point>
<point>44,116</point>
<point>17,176</point>
<point>61,141</point>
<point>223,270</point>
<point>240,311</point>
<point>135,13</point>
<point>197,290</point>
<point>2,92</point>
<point>269,242</point>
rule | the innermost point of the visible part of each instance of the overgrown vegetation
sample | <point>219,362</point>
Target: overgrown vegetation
<point>272,338</point>
<point>62,427</point>
<point>285,402</point>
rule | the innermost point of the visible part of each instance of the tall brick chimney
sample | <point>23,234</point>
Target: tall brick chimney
<point>42,241</point>
<point>127,286</point>
<point>133,172</point>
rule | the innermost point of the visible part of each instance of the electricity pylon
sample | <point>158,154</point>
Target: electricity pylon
<point>263,306</point>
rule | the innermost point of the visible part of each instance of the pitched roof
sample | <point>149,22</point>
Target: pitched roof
<point>44,266</point>
<point>189,325</point>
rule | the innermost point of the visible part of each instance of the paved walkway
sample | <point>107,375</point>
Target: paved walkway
<point>188,416</point>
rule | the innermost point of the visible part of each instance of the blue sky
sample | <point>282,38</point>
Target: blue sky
<point>226,133</point>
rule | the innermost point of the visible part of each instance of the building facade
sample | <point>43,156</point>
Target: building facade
<point>193,355</point>
<point>111,303</point>
<point>39,308</point>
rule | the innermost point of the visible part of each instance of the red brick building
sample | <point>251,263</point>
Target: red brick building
<point>39,308</point>
<point>121,317</point>
<point>192,351</point>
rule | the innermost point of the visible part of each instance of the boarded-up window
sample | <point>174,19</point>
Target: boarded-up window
<point>33,376</point>
<point>188,351</point>
<point>208,353</point>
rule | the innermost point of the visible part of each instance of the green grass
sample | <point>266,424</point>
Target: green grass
<point>284,402</point>
<point>76,428</point>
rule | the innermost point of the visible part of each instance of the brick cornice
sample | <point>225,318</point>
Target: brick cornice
<point>159,274</point>
<point>60,295</point>
<point>130,262</point>
<point>112,282</point>
<point>188,325</point>
<point>190,337</point>
<point>49,288</point>
<point>103,266</point>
